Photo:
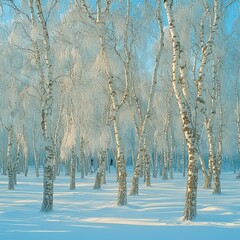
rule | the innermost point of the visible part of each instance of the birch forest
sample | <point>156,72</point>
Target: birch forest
<point>146,89</point>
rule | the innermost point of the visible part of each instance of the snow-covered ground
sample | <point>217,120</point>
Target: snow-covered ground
<point>92,214</point>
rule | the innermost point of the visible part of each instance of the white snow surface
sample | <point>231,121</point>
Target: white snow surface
<point>84,213</point>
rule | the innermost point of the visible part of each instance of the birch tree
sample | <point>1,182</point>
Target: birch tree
<point>192,127</point>
<point>101,169</point>
<point>213,164</point>
<point>143,118</point>
<point>10,162</point>
<point>100,21</point>
<point>47,124</point>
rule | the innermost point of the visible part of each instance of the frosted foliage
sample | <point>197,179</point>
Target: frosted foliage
<point>24,3</point>
<point>75,54</point>
<point>190,16</point>
<point>230,133</point>
<point>77,67</point>
<point>115,64</point>
<point>125,119</point>
<point>104,138</point>
<point>63,54</point>
<point>12,96</point>
<point>97,138</point>
<point>15,36</point>
<point>69,136</point>
<point>160,100</point>
<point>143,89</point>
<point>23,144</point>
<point>98,64</point>
<point>67,85</point>
<point>119,25</point>
<point>34,33</point>
<point>26,94</point>
<point>90,40</point>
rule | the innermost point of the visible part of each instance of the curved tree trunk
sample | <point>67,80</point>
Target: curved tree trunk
<point>48,179</point>
<point>192,127</point>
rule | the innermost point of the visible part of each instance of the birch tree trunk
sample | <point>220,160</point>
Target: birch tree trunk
<point>82,159</point>
<point>4,163</point>
<point>147,171</point>
<point>73,170</point>
<point>35,154</point>
<point>206,180</point>
<point>25,154</point>
<point>86,164</point>
<point>101,169</point>
<point>155,164</point>
<point>171,156</point>
<point>183,156</point>
<point>10,163</point>
<point>47,204</point>
<point>192,131</point>
<point>37,56</point>
<point>161,165</point>
<point>145,119</point>
<point>120,161</point>
<point>166,150</point>
<point>147,162</point>
<point>220,131</point>
<point>213,163</point>
<point>55,141</point>
<point>16,163</point>
<point>238,129</point>
<point>218,164</point>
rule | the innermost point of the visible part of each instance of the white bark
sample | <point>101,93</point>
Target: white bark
<point>183,156</point>
<point>213,163</point>
<point>10,163</point>
<point>238,129</point>
<point>4,162</point>
<point>166,149</point>
<point>47,204</point>
<point>101,170</point>
<point>206,179</point>
<point>147,170</point>
<point>25,153</point>
<point>120,161</point>
<point>17,160</point>
<point>72,170</point>
<point>171,155</point>
<point>36,154</point>
<point>82,158</point>
<point>191,130</point>
<point>155,164</point>
<point>143,120</point>
<point>220,131</point>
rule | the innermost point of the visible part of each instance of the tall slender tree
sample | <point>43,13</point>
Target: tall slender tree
<point>192,127</point>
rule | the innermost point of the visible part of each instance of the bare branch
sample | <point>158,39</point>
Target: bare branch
<point>51,9</point>
<point>84,4</point>
<point>231,2</point>
<point>11,4</point>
